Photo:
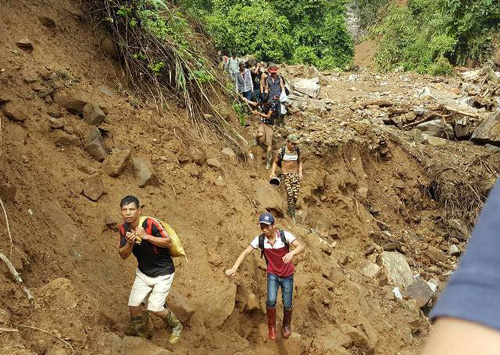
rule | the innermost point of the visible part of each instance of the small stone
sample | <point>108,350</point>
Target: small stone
<point>25,44</point>
<point>8,192</point>
<point>96,150</point>
<point>112,222</point>
<point>420,291</point>
<point>70,101</point>
<point>397,268</point>
<point>92,114</point>
<point>219,181</point>
<point>192,169</point>
<point>214,164</point>
<point>47,21</point>
<point>29,76</point>
<point>434,141</point>
<point>115,163</point>
<point>15,112</point>
<point>435,254</point>
<point>62,138</point>
<point>93,187</point>
<point>75,186</point>
<point>454,250</point>
<point>56,123</point>
<point>229,153</point>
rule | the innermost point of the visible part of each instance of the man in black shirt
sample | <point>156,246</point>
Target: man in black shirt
<point>150,244</point>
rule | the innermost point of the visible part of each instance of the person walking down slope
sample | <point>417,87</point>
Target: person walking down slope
<point>150,244</point>
<point>275,85</point>
<point>265,131</point>
<point>244,84</point>
<point>289,158</point>
<point>232,67</point>
<point>275,246</point>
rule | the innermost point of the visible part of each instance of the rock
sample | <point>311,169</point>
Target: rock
<point>115,163</point>
<point>56,123</point>
<point>112,222</point>
<point>491,148</point>
<point>436,128</point>
<point>25,44</point>
<point>214,164</point>
<point>219,181</point>
<point>62,138</point>
<point>109,47</point>
<point>434,141</point>
<point>75,186</point>
<point>457,229</point>
<point>93,187</point>
<point>180,305</point>
<point>198,155</point>
<point>219,304</point>
<point>435,254</point>
<point>454,250</point>
<point>269,198</point>
<point>142,170</point>
<point>95,133</point>
<point>92,114</point>
<point>29,76</point>
<point>192,169</point>
<point>15,112</point>
<point>420,291</point>
<point>359,338</point>
<point>488,130</point>
<point>8,192</point>
<point>419,111</point>
<point>463,128</point>
<point>397,268</point>
<point>229,153</point>
<point>335,338</point>
<point>252,302</point>
<point>96,150</point>
<point>70,101</point>
<point>309,87</point>
<point>368,269</point>
<point>47,21</point>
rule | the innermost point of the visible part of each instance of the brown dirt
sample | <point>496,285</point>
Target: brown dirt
<point>68,256</point>
<point>364,53</point>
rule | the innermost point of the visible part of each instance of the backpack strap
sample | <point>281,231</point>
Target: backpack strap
<point>261,245</point>
<point>283,239</point>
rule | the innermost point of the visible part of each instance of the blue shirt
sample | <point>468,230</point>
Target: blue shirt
<point>473,291</point>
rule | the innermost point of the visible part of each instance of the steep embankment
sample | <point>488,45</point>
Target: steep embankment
<point>365,191</point>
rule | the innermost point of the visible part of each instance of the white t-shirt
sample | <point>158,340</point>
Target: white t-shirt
<point>289,237</point>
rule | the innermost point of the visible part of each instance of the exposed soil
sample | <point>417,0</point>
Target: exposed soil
<point>367,188</point>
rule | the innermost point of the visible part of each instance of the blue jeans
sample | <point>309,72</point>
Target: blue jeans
<point>247,94</point>
<point>273,283</point>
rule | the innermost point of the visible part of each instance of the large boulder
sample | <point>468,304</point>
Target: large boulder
<point>269,198</point>
<point>93,187</point>
<point>180,305</point>
<point>219,304</point>
<point>116,162</point>
<point>397,268</point>
<point>309,87</point>
<point>488,130</point>
<point>92,114</point>
<point>436,128</point>
<point>142,169</point>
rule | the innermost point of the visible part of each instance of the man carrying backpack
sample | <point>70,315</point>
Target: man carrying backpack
<point>290,161</point>
<point>150,243</point>
<point>275,247</point>
<point>275,85</point>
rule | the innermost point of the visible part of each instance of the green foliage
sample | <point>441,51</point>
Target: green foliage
<point>430,35</point>
<point>369,11</point>
<point>303,31</point>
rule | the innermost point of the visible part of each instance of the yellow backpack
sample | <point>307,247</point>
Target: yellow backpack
<point>176,249</point>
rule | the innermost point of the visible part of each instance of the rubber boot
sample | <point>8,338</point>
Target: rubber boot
<point>271,322</point>
<point>139,326</point>
<point>269,160</point>
<point>176,326</point>
<point>286,330</point>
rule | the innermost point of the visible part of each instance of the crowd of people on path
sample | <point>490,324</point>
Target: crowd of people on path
<point>264,91</point>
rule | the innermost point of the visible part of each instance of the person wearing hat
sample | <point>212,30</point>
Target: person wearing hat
<point>274,86</point>
<point>275,246</point>
<point>290,160</point>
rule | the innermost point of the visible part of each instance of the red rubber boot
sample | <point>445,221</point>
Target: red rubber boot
<point>271,322</point>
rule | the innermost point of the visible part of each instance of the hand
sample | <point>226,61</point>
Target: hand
<point>130,237</point>
<point>273,175</point>
<point>288,257</point>
<point>300,176</point>
<point>255,112</point>
<point>231,272</point>
<point>141,233</point>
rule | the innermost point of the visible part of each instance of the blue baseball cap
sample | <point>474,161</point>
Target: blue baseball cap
<point>266,218</point>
